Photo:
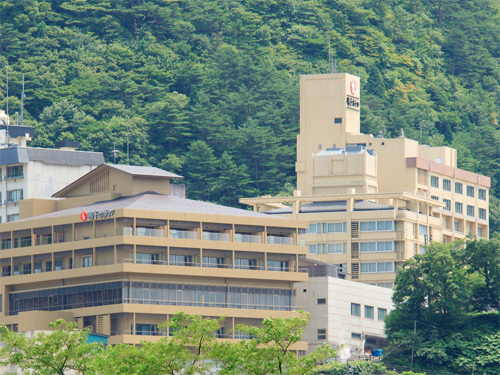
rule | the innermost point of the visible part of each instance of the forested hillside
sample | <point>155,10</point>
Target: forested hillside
<point>210,89</point>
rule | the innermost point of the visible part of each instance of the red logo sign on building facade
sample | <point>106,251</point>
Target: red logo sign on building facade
<point>94,215</point>
<point>352,86</point>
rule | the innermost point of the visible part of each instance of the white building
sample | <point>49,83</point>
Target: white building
<point>343,312</point>
<point>29,172</point>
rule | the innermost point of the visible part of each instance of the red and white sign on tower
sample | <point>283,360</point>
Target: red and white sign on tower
<point>352,86</point>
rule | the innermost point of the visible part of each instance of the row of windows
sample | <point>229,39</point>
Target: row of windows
<point>481,193</point>
<point>369,311</point>
<point>328,248</point>
<point>317,228</point>
<point>459,209</point>
<point>151,294</point>
<point>377,226</point>
<point>380,267</point>
<point>368,247</point>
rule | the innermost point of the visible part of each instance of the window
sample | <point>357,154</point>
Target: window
<point>14,195</point>
<point>482,213</point>
<point>314,228</point>
<point>447,202</point>
<point>470,210</point>
<point>436,198</point>
<point>367,247</point>
<point>87,261</point>
<point>356,336</point>
<point>334,227</point>
<point>6,271</point>
<point>12,217</point>
<point>321,301</point>
<point>313,249</point>
<point>459,188</point>
<point>470,191</point>
<point>321,334</point>
<point>371,341</point>
<point>277,265</point>
<point>26,269</point>
<point>355,309</point>
<point>382,313</point>
<point>421,249</point>
<point>377,226</point>
<point>369,312</point>
<point>422,230</point>
<point>334,248</point>
<point>435,181</point>
<point>456,226</point>
<point>459,208</point>
<point>15,171</point>
<point>481,194</point>
<point>381,267</point>
<point>480,232</point>
<point>338,120</point>
<point>446,185</point>
<point>6,243</point>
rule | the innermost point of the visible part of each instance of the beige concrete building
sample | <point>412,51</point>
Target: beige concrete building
<point>372,202</point>
<point>116,257</point>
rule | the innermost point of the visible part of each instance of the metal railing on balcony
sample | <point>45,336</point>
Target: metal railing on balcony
<point>280,240</point>
<point>43,240</point>
<point>149,232</point>
<point>125,231</point>
<point>214,236</point>
<point>183,234</point>
<point>248,238</point>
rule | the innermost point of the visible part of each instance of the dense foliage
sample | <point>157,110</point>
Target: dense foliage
<point>447,308</point>
<point>209,89</point>
<point>190,348</point>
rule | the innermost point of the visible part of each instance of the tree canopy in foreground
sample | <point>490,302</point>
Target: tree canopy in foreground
<point>447,302</point>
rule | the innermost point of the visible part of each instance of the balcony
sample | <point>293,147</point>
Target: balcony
<point>43,240</point>
<point>149,232</point>
<point>13,176</point>
<point>276,240</point>
<point>215,236</point>
<point>247,238</point>
<point>183,234</point>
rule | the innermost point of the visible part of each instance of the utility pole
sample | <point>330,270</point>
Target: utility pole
<point>413,348</point>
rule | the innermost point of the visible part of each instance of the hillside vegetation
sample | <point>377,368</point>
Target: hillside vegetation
<point>210,89</point>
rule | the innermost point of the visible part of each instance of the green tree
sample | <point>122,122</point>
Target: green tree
<point>269,351</point>
<point>63,349</point>
<point>199,170</point>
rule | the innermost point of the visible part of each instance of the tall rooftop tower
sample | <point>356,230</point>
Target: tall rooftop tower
<point>329,111</point>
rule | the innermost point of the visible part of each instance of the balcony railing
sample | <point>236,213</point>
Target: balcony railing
<point>280,240</point>
<point>148,232</point>
<point>183,234</point>
<point>125,231</point>
<point>212,236</point>
<point>248,238</point>
<point>12,176</point>
<point>43,240</point>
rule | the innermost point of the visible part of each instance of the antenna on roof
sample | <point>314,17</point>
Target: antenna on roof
<point>332,66</point>
<point>7,68</point>
<point>21,119</point>
<point>115,152</point>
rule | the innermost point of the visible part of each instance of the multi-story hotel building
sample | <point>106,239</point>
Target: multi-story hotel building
<point>118,254</point>
<point>372,202</point>
<point>30,172</point>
